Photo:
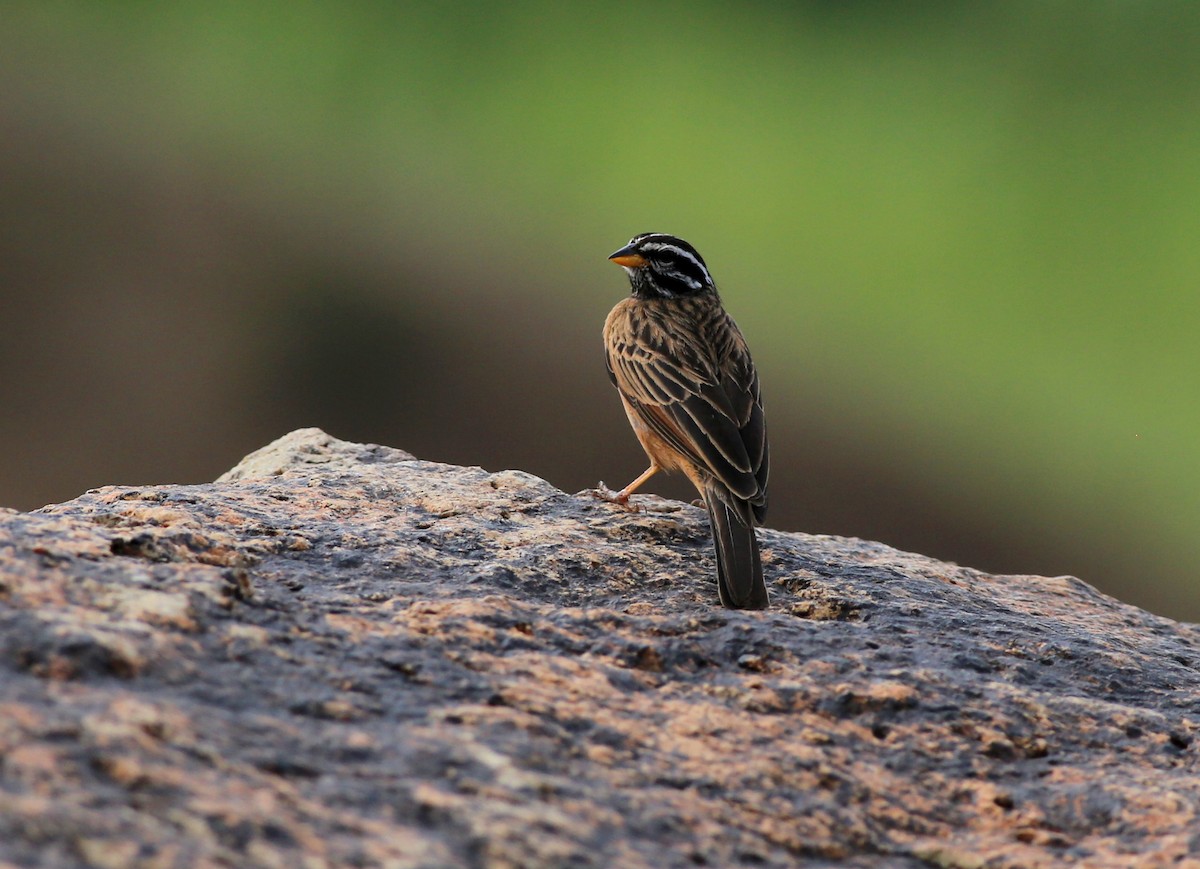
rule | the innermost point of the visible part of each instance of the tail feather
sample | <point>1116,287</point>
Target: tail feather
<point>739,566</point>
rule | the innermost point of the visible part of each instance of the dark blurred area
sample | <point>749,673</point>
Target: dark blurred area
<point>961,244</point>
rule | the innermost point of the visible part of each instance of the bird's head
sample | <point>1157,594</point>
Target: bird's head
<point>662,266</point>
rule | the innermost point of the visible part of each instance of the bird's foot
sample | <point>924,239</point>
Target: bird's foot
<point>621,499</point>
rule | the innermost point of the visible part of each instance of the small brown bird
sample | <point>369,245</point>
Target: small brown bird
<point>691,392</point>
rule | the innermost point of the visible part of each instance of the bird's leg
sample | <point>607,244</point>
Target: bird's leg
<point>622,497</point>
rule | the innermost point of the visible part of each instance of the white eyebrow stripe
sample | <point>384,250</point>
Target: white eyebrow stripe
<point>684,254</point>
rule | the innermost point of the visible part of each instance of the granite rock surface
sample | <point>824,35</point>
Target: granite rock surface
<point>338,655</point>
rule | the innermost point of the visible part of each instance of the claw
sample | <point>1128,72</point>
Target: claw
<point>621,499</point>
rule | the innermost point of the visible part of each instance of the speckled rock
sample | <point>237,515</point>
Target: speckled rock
<point>339,655</point>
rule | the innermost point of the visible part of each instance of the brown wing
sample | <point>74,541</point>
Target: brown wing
<point>685,369</point>
<point>744,391</point>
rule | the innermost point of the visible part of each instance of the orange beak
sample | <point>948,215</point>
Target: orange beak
<point>627,257</point>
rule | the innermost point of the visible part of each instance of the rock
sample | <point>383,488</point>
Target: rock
<point>338,655</point>
<point>308,447</point>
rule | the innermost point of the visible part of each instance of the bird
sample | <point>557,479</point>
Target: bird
<point>691,392</point>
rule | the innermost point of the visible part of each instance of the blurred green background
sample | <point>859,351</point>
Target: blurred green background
<point>960,238</point>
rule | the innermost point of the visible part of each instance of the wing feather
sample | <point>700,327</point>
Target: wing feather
<point>700,396</point>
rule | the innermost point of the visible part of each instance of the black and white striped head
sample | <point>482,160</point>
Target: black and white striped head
<point>662,266</point>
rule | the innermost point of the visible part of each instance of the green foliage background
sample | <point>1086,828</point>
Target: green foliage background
<point>965,233</point>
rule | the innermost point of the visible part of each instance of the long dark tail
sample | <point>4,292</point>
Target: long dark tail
<point>739,566</point>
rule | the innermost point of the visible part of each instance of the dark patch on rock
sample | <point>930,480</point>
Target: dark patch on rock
<point>343,655</point>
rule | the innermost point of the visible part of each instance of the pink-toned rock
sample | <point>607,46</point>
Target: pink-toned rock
<point>339,655</point>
